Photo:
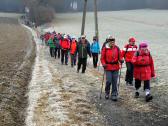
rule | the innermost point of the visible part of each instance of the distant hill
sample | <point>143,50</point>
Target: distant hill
<point>11,6</point>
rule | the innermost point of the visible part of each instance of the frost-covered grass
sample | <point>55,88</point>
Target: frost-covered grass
<point>11,15</point>
<point>150,25</point>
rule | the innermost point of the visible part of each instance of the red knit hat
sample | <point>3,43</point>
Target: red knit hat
<point>132,39</point>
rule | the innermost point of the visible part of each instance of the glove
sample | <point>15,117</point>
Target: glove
<point>121,61</point>
<point>104,66</point>
<point>142,60</point>
<point>90,55</point>
<point>153,75</point>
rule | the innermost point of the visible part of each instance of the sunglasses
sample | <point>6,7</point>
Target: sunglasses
<point>143,47</point>
<point>111,40</point>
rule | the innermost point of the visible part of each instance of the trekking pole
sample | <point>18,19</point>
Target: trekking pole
<point>98,65</point>
<point>119,78</point>
<point>102,84</point>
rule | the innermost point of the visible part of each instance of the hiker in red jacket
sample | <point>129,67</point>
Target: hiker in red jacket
<point>111,59</point>
<point>128,53</point>
<point>65,46</point>
<point>143,69</point>
<point>46,37</point>
<point>73,50</point>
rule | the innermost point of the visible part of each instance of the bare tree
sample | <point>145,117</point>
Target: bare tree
<point>40,11</point>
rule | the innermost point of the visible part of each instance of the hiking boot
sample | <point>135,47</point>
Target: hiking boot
<point>106,96</point>
<point>136,94</point>
<point>95,67</point>
<point>148,98</point>
<point>114,98</point>
<point>130,84</point>
<point>127,83</point>
<point>83,71</point>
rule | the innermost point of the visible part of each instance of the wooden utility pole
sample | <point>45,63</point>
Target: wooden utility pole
<point>84,17</point>
<point>96,20</point>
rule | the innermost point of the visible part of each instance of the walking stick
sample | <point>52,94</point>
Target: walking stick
<point>102,84</point>
<point>98,65</point>
<point>119,78</point>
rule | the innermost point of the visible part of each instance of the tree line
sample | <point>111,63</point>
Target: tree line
<point>42,11</point>
<point>64,5</point>
<point>39,11</point>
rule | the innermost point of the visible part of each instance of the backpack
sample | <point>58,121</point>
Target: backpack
<point>137,54</point>
<point>118,52</point>
<point>126,51</point>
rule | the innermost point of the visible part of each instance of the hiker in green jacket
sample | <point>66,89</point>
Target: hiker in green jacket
<point>52,46</point>
<point>83,49</point>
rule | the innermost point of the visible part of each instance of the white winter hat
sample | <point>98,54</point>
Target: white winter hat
<point>83,36</point>
<point>73,37</point>
<point>65,36</point>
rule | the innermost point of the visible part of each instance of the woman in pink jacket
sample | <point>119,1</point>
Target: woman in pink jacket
<point>143,69</point>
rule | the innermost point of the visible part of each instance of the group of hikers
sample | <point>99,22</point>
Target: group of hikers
<point>139,62</point>
<point>61,45</point>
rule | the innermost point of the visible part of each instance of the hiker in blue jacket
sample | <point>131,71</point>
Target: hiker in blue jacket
<point>95,51</point>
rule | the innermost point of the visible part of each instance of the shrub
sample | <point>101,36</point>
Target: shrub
<point>41,14</point>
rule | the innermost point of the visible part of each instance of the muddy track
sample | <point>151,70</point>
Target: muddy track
<point>128,110</point>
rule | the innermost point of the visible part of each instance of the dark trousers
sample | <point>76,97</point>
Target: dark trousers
<point>83,62</point>
<point>129,72</point>
<point>52,52</point>
<point>57,52</point>
<point>73,59</point>
<point>146,84</point>
<point>95,59</point>
<point>111,78</point>
<point>64,55</point>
